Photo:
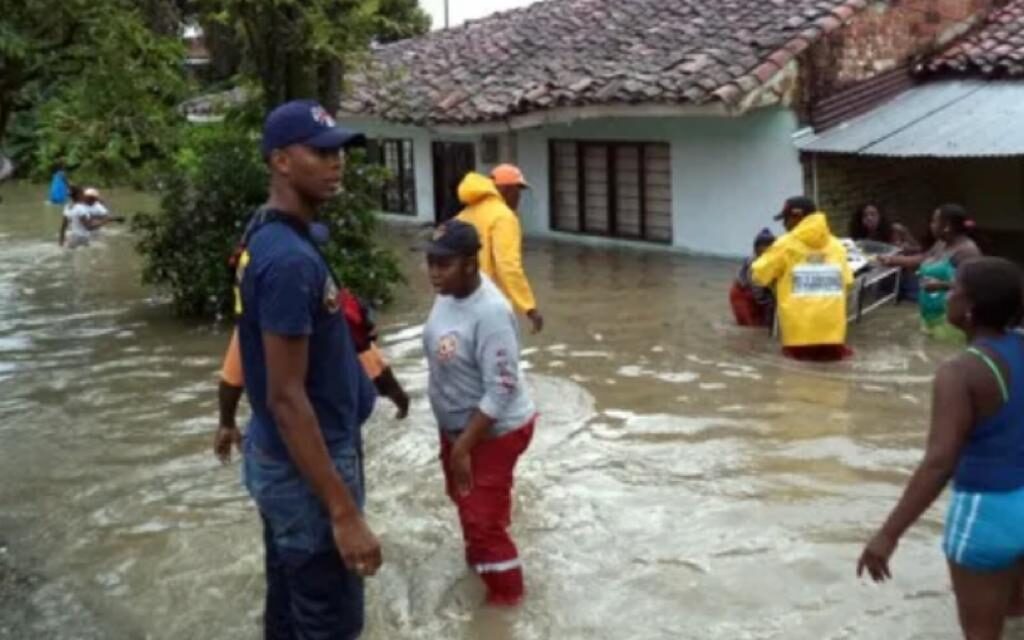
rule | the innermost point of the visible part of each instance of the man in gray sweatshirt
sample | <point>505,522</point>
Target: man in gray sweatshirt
<point>485,415</point>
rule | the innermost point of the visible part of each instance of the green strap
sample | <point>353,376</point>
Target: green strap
<point>995,369</point>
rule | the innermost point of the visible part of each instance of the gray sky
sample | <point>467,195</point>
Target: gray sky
<point>461,10</point>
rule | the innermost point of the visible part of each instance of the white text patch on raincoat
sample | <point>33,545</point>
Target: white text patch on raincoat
<point>818,281</point>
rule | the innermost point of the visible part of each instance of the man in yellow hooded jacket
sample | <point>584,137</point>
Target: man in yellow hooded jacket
<point>809,270</point>
<point>501,236</point>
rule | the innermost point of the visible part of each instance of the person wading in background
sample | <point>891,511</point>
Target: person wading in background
<point>490,208</point>
<point>808,268</point>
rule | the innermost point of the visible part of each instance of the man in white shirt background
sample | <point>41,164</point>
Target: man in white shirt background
<point>83,216</point>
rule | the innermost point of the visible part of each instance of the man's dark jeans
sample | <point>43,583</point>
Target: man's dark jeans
<point>310,593</point>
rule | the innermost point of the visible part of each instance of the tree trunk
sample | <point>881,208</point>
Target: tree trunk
<point>301,70</point>
<point>6,110</point>
<point>330,85</point>
<point>225,54</point>
<point>161,16</point>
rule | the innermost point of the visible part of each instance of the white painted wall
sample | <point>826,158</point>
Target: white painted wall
<point>729,175</point>
<point>422,140</point>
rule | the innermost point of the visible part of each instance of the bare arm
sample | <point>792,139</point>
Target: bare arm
<point>476,431</point>
<point>287,361</point>
<point>904,262</point>
<point>63,231</point>
<point>228,398</point>
<point>95,223</point>
<point>951,424</point>
<point>952,421</point>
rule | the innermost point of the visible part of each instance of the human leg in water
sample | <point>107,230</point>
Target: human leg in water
<point>984,599</point>
<point>1017,604</point>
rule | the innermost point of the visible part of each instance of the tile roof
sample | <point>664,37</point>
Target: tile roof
<point>996,50</point>
<point>573,53</point>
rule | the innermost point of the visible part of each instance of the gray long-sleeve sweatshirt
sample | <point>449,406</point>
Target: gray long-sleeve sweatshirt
<point>472,348</point>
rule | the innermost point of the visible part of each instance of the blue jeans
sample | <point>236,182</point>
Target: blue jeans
<point>310,593</point>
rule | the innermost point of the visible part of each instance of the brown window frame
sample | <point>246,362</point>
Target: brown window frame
<point>400,186</point>
<point>612,149</point>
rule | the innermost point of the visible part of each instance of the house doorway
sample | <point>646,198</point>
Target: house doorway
<point>452,161</point>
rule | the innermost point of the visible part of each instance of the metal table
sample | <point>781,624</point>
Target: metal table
<point>867,279</point>
<point>871,278</point>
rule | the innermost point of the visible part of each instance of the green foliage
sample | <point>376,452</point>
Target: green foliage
<point>368,269</point>
<point>400,19</point>
<point>217,182</point>
<point>301,48</point>
<point>206,199</point>
<point>101,86</point>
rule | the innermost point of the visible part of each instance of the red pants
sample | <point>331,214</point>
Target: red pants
<point>486,512</point>
<point>745,309</point>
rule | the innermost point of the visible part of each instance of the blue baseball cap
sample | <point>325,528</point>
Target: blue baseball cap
<point>306,122</point>
<point>453,238</point>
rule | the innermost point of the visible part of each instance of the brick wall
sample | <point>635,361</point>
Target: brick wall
<point>907,188</point>
<point>886,35</point>
<point>910,189</point>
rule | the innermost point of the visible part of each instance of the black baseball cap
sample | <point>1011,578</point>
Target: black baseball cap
<point>802,203</point>
<point>306,122</point>
<point>453,238</point>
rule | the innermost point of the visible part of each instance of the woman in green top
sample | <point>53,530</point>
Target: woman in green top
<point>937,267</point>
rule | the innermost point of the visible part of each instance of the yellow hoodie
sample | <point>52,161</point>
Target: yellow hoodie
<point>809,270</point>
<point>501,239</point>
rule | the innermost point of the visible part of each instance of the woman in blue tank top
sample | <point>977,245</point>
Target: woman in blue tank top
<point>977,441</point>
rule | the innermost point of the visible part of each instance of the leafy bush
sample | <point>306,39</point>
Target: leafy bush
<point>218,180</point>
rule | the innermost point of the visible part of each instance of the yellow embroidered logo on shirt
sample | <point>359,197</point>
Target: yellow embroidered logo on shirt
<point>243,262</point>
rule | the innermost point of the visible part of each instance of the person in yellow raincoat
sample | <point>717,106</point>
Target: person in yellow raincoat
<point>808,268</point>
<point>489,207</point>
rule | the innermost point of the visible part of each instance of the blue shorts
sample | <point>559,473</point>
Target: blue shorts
<point>985,531</point>
<point>310,594</point>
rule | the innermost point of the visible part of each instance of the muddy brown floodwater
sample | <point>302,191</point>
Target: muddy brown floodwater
<point>685,480</point>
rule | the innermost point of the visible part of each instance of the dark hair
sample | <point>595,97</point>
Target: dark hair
<point>956,217</point>
<point>859,232</point>
<point>76,192</point>
<point>995,287</point>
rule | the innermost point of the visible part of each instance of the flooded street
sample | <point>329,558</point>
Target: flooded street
<point>685,481</point>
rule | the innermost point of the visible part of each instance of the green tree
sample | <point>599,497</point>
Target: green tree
<point>97,85</point>
<point>400,19</point>
<point>218,182</point>
<point>302,48</point>
<point>291,49</point>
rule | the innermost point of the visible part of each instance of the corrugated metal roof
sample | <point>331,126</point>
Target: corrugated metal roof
<point>950,119</point>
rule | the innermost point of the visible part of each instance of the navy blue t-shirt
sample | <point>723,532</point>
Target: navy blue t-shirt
<point>287,290</point>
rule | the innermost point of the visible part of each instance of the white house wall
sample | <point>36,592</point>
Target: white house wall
<point>422,140</point>
<point>729,175</point>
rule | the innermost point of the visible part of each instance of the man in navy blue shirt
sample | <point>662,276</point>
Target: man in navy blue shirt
<point>309,394</point>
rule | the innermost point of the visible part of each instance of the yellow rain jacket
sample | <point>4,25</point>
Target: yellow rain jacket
<point>501,239</point>
<point>811,276</point>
